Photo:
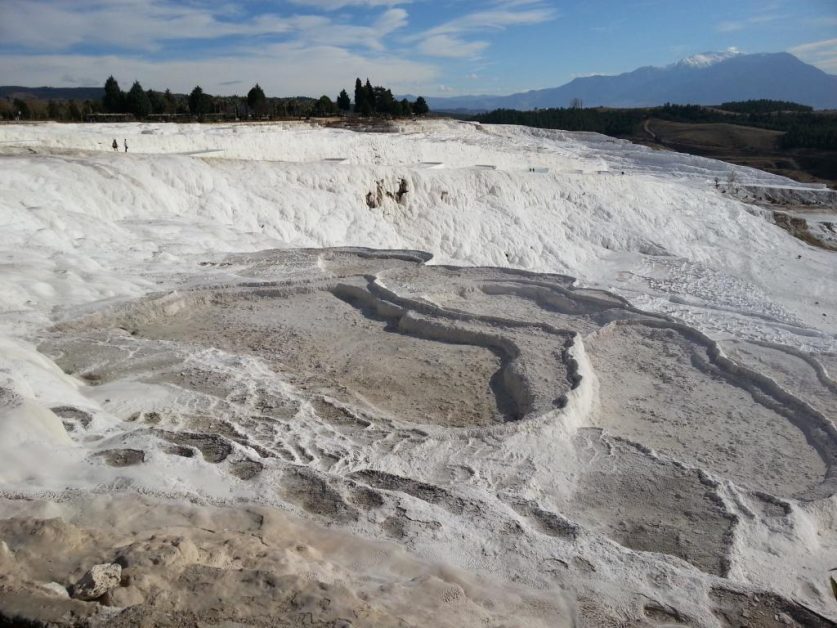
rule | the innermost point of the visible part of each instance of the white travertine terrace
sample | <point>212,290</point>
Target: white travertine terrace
<point>501,397</point>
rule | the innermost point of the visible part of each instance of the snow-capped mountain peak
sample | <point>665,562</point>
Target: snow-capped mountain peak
<point>705,59</point>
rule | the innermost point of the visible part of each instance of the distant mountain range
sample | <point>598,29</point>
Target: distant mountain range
<point>55,93</point>
<point>705,79</point>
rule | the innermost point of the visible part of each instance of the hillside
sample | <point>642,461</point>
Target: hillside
<point>52,93</point>
<point>743,145</point>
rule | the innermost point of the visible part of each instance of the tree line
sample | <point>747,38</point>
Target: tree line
<point>39,109</point>
<point>800,125</point>
<point>199,104</point>
<point>141,104</point>
<point>368,101</point>
<point>614,122</point>
<point>379,100</point>
<point>764,106</point>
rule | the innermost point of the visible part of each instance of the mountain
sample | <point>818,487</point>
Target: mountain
<point>704,79</point>
<point>52,93</point>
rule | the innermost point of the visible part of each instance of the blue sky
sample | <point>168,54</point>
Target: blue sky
<point>447,47</point>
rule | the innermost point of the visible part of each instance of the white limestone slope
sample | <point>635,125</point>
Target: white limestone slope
<point>712,393</point>
<point>660,230</point>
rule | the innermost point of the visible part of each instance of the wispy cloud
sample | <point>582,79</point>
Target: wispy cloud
<point>148,25</point>
<point>443,45</point>
<point>822,54</point>
<point>448,38</point>
<point>303,71</point>
<point>493,19</point>
<point>324,31</point>
<point>740,25</point>
<point>127,24</point>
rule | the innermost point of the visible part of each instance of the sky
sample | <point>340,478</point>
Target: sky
<point>427,47</point>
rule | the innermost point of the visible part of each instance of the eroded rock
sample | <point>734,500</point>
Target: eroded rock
<point>96,582</point>
<point>122,457</point>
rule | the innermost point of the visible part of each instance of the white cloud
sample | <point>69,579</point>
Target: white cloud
<point>733,26</point>
<point>495,19</point>
<point>449,46</point>
<point>292,70</point>
<point>822,54</point>
<point>127,24</point>
<point>815,47</point>
<point>323,31</point>
<point>446,39</point>
<point>147,25</point>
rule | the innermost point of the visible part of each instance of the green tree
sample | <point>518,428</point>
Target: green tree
<point>420,107</point>
<point>199,103</point>
<point>158,104</point>
<point>360,96</point>
<point>256,100</point>
<point>384,101</point>
<point>344,103</point>
<point>324,107</point>
<point>369,94</point>
<point>113,100</point>
<point>195,100</point>
<point>406,107</point>
<point>22,109</point>
<point>170,102</point>
<point>136,102</point>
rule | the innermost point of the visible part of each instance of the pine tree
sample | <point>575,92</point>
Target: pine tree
<point>199,103</point>
<point>369,93</point>
<point>136,102</point>
<point>113,100</point>
<point>171,102</point>
<point>158,105</point>
<point>420,107</point>
<point>195,99</point>
<point>360,96</point>
<point>344,103</point>
<point>22,108</point>
<point>256,100</point>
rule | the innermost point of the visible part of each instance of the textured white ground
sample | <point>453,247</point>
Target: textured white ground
<point>691,467</point>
